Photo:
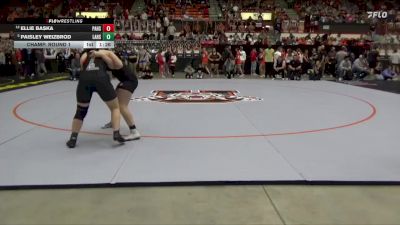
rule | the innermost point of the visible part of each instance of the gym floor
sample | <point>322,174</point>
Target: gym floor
<point>205,205</point>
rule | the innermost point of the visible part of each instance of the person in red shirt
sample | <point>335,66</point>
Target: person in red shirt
<point>253,60</point>
<point>126,14</point>
<point>205,11</point>
<point>161,61</point>
<point>204,60</point>
<point>238,62</point>
<point>118,36</point>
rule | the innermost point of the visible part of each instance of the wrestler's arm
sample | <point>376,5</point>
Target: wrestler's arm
<point>101,54</point>
<point>83,59</point>
<point>115,61</point>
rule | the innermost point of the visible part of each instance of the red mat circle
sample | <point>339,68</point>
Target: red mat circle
<point>346,125</point>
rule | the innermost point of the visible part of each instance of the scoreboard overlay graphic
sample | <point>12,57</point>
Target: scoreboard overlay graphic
<point>64,33</point>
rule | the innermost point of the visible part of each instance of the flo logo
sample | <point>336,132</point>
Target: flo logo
<point>378,14</point>
<point>199,96</point>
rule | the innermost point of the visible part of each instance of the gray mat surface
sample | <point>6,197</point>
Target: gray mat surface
<point>301,131</point>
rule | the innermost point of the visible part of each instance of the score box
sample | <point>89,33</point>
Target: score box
<point>108,36</point>
<point>108,27</point>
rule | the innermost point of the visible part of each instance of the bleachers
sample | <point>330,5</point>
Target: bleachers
<point>9,7</point>
<point>195,11</point>
<point>84,5</point>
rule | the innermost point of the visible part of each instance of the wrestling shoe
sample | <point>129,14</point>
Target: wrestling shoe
<point>107,125</point>
<point>117,137</point>
<point>71,143</point>
<point>134,135</point>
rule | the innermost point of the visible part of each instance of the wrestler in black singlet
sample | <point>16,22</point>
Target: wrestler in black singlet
<point>128,80</point>
<point>94,78</point>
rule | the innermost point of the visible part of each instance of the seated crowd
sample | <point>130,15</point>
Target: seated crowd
<point>351,59</point>
<point>315,12</point>
<point>295,63</point>
<point>290,60</point>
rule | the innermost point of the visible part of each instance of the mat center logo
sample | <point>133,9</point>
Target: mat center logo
<point>196,96</point>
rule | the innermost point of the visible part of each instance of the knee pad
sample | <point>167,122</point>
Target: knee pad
<point>81,112</point>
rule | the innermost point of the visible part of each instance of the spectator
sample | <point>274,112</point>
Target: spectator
<point>269,62</point>
<point>253,60</point>
<point>322,56</point>
<point>341,54</point>
<point>229,66</point>
<point>238,63</point>
<point>160,61</point>
<point>144,59</point>
<point>158,26</point>
<point>200,71</point>
<point>31,60</point>
<point>372,58</point>
<point>360,68</point>
<point>2,59</point>
<point>125,36</point>
<point>278,53</point>
<point>172,63</point>
<point>388,73</point>
<point>204,61</point>
<point>147,74</point>
<point>165,24</point>
<point>197,28</point>
<point>261,63</point>
<point>118,36</point>
<point>352,57</point>
<point>205,11</point>
<point>118,10</point>
<point>102,4</point>
<point>241,27</point>
<point>167,59</point>
<point>345,71</point>
<point>189,71</point>
<point>145,36</point>
<point>215,58</point>
<point>306,62</point>
<point>395,60</point>
<point>40,63</point>
<point>75,66</point>
<point>251,27</point>
<point>330,63</point>
<point>152,36</point>
<point>143,16</point>
<point>259,23</point>
<point>279,67</point>
<point>25,65</point>
<point>133,58</point>
<point>243,57</point>
<point>295,68</point>
<point>186,15</point>
<point>226,54</point>
<point>19,60</point>
<point>171,31</point>
<point>126,14</point>
<point>317,70</point>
